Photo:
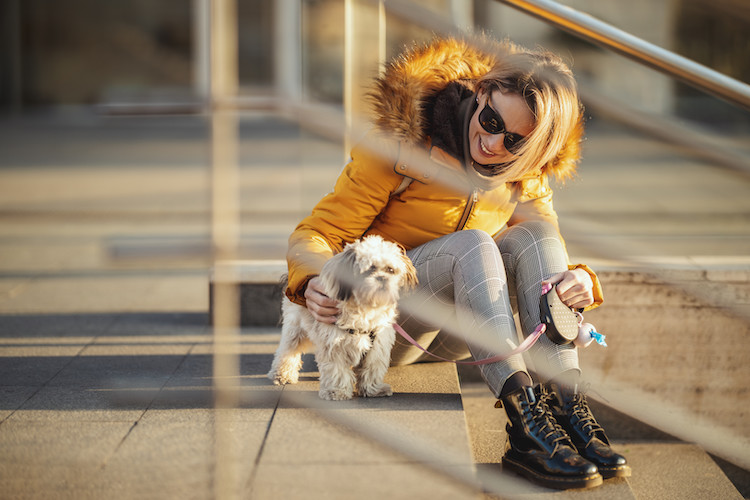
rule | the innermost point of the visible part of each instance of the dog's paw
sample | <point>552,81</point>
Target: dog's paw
<point>280,378</point>
<point>375,391</point>
<point>335,394</point>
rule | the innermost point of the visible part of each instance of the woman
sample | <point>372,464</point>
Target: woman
<point>456,171</point>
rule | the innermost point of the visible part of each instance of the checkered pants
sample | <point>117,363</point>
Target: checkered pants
<point>470,285</point>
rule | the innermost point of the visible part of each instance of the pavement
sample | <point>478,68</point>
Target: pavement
<point>107,353</point>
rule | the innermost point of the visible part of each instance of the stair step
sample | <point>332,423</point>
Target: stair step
<point>259,298</point>
<point>629,288</point>
<point>423,421</point>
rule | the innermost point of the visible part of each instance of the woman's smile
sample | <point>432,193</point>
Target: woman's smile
<point>484,149</point>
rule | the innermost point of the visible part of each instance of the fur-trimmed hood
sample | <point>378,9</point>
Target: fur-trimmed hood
<point>400,95</point>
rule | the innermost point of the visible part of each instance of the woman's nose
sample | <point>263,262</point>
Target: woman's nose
<point>494,143</point>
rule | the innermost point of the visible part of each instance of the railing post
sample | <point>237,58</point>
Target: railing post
<point>202,49</point>
<point>287,50</point>
<point>648,54</point>
<point>364,52</point>
<point>225,238</point>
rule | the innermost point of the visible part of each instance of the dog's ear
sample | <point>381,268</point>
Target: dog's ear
<point>409,280</point>
<point>340,272</point>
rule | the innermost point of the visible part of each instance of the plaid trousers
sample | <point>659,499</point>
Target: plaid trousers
<point>470,285</point>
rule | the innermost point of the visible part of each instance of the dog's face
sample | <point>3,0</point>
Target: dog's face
<point>371,271</point>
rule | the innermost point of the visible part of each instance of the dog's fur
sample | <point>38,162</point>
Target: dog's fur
<point>367,278</point>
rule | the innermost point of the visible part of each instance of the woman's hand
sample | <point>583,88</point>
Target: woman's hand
<point>574,288</point>
<point>322,307</point>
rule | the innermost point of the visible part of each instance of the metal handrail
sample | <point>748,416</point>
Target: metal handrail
<point>589,28</point>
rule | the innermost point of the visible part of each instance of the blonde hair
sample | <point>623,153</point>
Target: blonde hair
<point>547,85</point>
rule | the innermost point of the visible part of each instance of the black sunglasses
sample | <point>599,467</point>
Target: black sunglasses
<point>492,122</point>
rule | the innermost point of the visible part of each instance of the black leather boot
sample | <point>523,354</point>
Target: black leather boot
<point>572,412</point>
<point>538,448</point>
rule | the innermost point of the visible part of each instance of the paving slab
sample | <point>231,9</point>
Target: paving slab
<point>71,481</point>
<point>677,471</point>
<point>176,457</point>
<point>58,459</point>
<point>404,480</point>
<point>23,328</point>
<point>65,442</point>
<point>53,404</point>
<point>367,448</point>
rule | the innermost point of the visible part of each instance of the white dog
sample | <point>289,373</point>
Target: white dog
<point>366,277</point>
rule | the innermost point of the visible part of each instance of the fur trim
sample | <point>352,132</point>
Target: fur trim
<point>400,95</point>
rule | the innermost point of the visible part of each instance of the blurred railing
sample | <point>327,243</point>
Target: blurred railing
<point>645,53</point>
<point>641,51</point>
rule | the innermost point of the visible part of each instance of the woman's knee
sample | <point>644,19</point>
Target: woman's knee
<point>454,246</point>
<point>527,232</point>
<point>460,242</point>
<point>539,229</point>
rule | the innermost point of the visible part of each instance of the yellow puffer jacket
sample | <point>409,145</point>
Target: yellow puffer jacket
<point>371,195</point>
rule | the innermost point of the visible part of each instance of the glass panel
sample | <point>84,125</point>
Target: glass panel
<point>323,50</point>
<point>87,51</point>
<point>256,35</point>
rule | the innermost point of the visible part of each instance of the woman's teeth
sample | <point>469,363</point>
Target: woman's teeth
<point>484,149</point>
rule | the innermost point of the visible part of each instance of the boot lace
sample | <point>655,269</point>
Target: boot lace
<point>583,419</point>
<point>552,433</point>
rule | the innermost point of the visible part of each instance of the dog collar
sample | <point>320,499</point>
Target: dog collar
<point>371,333</point>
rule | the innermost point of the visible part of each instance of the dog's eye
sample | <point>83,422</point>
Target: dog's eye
<point>390,270</point>
<point>372,269</point>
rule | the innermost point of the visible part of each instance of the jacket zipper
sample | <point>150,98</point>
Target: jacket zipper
<point>467,210</point>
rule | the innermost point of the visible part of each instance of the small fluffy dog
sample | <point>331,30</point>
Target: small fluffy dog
<point>367,278</point>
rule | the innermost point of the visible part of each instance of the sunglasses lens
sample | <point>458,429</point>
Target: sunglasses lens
<point>512,142</point>
<point>491,122</point>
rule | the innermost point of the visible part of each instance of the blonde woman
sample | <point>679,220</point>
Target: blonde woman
<point>457,171</point>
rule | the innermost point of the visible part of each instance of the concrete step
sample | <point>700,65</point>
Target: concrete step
<point>708,285</point>
<point>259,297</point>
<point>411,445</point>
<point>680,337</point>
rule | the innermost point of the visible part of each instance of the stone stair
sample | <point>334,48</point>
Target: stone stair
<point>646,316</point>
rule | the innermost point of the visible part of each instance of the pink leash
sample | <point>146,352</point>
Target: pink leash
<point>525,345</point>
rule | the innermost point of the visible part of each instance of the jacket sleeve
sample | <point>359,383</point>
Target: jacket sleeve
<point>361,192</point>
<point>534,202</point>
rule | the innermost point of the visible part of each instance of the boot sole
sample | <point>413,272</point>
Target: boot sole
<point>556,482</point>
<point>609,473</point>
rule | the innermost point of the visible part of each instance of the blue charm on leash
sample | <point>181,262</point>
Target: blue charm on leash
<point>587,333</point>
<point>598,338</point>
